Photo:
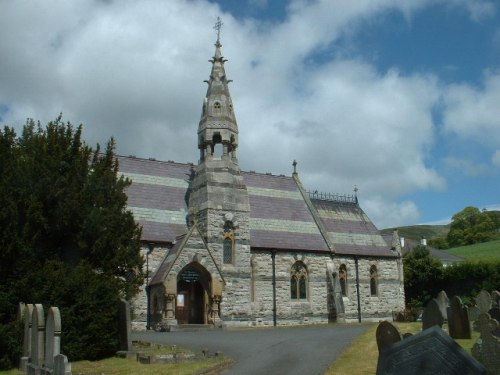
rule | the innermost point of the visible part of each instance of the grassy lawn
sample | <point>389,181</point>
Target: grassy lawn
<point>351,362</point>
<point>125,366</point>
<point>486,251</point>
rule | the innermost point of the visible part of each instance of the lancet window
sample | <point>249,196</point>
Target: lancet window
<point>298,281</point>
<point>228,244</point>
<point>373,280</point>
<point>343,279</point>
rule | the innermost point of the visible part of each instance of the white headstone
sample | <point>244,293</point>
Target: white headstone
<point>52,336</point>
<point>37,336</point>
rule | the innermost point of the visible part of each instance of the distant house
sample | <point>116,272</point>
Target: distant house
<point>408,245</point>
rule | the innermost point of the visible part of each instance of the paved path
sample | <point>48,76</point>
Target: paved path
<point>276,351</point>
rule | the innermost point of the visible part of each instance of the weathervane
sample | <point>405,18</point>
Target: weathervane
<point>218,27</point>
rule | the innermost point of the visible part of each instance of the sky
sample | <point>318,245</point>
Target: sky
<point>400,98</point>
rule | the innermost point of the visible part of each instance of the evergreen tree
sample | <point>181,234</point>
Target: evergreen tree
<point>423,276</point>
<point>66,237</point>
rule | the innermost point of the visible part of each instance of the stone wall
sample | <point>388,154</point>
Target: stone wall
<point>139,304</point>
<point>248,293</point>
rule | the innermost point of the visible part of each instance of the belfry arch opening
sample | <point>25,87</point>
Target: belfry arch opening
<point>194,285</point>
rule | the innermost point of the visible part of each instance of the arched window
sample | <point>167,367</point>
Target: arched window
<point>373,280</point>
<point>228,244</point>
<point>298,281</point>
<point>343,279</point>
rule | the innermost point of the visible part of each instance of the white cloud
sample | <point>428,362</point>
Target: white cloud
<point>474,112</point>
<point>134,70</point>
<point>466,166</point>
<point>495,159</point>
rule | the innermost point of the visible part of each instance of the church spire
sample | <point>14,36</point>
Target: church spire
<point>218,124</point>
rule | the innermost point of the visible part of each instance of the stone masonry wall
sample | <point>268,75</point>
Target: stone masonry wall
<point>139,303</point>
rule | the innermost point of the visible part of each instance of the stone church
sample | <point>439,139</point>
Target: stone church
<point>228,247</point>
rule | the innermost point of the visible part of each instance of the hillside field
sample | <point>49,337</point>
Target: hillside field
<point>485,251</point>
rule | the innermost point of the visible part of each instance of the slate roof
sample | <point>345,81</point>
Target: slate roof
<point>281,217</point>
<point>443,256</point>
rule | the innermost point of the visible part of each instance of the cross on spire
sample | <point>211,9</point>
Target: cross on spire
<point>218,27</point>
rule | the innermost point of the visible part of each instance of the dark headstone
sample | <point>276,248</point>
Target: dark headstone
<point>432,315</point>
<point>458,319</point>
<point>387,334</point>
<point>124,326</point>
<point>429,352</point>
<point>443,303</point>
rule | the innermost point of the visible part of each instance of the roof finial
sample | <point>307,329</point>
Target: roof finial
<point>218,27</point>
<point>294,167</point>
<point>356,193</point>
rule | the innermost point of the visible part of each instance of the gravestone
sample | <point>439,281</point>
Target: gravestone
<point>443,303</point>
<point>52,336</point>
<point>495,314</point>
<point>61,365</point>
<point>483,301</point>
<point>124,326</point>
<point>26,312</point>
<point>387,334</point>
<point>495,298</point>
<point>458,319</point>
<point>487,348</point>
<point>429,352</point>
<point>474,313</point>
<point>432,315</point>
<point>37,339</point>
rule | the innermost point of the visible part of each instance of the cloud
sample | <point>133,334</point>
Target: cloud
<point>134,70</point>
<point>473,112</point>
<point>495,159</point>
<point>466,166</point>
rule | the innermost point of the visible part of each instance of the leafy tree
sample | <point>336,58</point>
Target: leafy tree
<point>66,237</point>
<point>471,226</point>
<point>439,243</point>
<point>423,275</point>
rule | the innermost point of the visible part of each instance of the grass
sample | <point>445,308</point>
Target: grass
<point>351,362</point>
<point>485,251</point>
<point>125,366</point>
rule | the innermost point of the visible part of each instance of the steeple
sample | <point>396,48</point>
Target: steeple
<point>217,130</point>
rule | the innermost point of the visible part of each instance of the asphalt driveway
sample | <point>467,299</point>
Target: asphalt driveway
<point>291,350</point>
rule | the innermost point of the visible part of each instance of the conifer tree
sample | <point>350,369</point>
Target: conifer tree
<point>66,236</point>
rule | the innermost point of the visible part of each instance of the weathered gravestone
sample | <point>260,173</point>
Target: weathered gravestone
<point>487,348</point>
<point>474,313</point>
<point>26,312</point>
<point>483,301</point>
<point>37,340</point>
<point>432,315</point>
<point>52,337</point>
<point>495,314</point>
<point>443,303</point>
<point>387,335</point>
<point>124,326</point>
<point>495,298</point>
<point>458,319</point>
<point>429,352</point>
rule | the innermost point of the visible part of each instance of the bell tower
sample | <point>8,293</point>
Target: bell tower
<point>218,202</point>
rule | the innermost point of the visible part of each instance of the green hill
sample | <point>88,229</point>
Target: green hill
<point>485,251</point>
<point>416,232</point>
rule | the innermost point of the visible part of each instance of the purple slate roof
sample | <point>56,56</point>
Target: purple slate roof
<point>350,230</point>
<point>279,218</point>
